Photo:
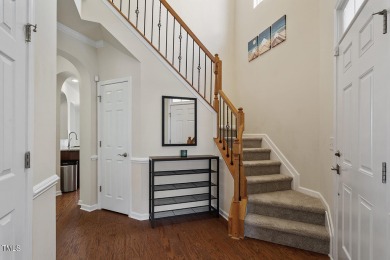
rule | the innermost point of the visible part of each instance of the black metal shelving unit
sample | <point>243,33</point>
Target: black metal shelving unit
<point>212,194</point>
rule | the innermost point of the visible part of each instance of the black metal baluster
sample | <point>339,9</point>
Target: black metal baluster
<point>120,6</point>
<point>193,57</point>
<point>151,37</point>
<point>205,70</point>
<point>223,125</point>
<point>187,55</point>
<point>237,128</point>
<point>227,130</point>
<point>173,39</point>
<point>180,37</point>
<point>199,69</point>
<point>219,123</point>
<point>231,136</point>
<point>211,81</point>
<point>145,18</point>
<point>159,27</point>
<point>137,13</point>
<point>166,37</point>
<point>128,11</point>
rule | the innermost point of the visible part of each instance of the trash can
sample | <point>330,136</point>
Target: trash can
<point>68,176</point>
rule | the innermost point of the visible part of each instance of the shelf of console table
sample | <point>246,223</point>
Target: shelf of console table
<point>211,195</point>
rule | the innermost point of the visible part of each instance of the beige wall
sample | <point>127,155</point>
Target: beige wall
<point>45,42</point>
<point>287,93</point>
<point>44,142</point>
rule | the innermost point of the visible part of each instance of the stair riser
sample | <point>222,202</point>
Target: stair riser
<point>257,156</point>
<point>286,213</point>
<point>255,188</point>
<point>252,143</point>
<point>293,240</point>
<point>262,170</point>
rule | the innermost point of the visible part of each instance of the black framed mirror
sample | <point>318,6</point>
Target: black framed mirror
<point>179,121</point>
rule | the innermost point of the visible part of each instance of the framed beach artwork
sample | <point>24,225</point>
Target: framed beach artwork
<point>264,41</point>
<point>278,31</point>
<point>252,49</point>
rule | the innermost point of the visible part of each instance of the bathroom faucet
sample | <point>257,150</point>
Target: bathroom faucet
<point>71,138</point>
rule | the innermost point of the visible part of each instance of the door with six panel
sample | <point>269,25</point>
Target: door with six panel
<point>13,130</point>
<point>115,147</point>
<point>363,77</point>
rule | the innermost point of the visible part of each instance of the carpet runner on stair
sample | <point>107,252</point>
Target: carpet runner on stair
<point>275,212</point>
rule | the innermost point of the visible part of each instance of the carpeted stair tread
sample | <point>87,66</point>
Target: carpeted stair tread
<point>267,178</point>
<point>288,226</point>
<point>289,199</point>
<point>261,163</point>
<point>252,142</point>
<point>256,150</point>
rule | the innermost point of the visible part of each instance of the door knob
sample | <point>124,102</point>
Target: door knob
<point>337,169</point>
<point>123,154</point>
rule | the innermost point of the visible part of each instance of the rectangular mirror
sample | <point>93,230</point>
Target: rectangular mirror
<point>179,121</point>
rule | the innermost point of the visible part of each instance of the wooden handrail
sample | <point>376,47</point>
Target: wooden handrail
<point>228,102</point>
<point>185,27</point>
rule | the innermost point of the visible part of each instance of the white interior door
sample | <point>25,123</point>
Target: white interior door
<point>13,130</point>
<point>114,153</point>
<point>182,123</point>
<point>362,136</point>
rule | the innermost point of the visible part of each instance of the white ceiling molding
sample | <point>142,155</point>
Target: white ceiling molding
<point>79,36</point>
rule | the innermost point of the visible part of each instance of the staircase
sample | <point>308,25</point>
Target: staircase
<point>275,213</point>
<point>263,204</point>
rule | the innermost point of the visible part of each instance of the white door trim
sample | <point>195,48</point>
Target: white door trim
<point>99,134</point>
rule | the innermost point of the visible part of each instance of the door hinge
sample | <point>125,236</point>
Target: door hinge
<point>28,31</point>
<point>336,51</point>
<point>384,172</point>
<point>100,98</point>
<point>384,13</point>
<point>27,160</point>
<point>100,143</point>
<point>100,188</point>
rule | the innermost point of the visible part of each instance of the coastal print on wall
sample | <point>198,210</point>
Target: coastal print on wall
<point>278,31</point>
<point>264,41</point>
<point>252,49</point>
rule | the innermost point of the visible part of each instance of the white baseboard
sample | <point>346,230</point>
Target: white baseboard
<point>224,214</point>
<point>139,216</point>
<point>58,193</point>
<point>44,185</point>
<point>286,168</point>
<point>89,208</point>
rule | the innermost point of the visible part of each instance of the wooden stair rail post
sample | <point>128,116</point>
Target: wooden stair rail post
<point>238,207</point>
<point>241,128</point>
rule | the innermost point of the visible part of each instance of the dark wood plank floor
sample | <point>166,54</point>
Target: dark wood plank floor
<point>106,235</point>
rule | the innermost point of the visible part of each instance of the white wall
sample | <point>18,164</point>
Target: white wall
<point>44,226</point>
<point>213,23</point>
<point>287,92</point>
<point>44,144</point>
<point>63,117</point>
<point>151,80</point>
<point>84,59</point>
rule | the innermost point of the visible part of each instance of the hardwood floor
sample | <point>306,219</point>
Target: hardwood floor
<point>105,235</point>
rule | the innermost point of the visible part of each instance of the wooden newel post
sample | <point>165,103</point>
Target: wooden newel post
<point>241,128</point>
